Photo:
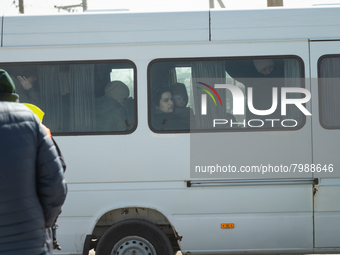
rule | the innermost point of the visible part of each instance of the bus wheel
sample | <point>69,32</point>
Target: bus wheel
<point>134,236</point>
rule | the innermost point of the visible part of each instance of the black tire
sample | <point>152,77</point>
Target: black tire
<point>134,234</point>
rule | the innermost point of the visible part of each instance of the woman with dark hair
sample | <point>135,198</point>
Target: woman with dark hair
<point>162,117</point>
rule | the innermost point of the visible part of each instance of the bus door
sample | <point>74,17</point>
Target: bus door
<point>249,174</point>
<point>325,89</point>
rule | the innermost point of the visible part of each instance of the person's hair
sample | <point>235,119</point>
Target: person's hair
<point>180,89</point>
<point>157,95</point>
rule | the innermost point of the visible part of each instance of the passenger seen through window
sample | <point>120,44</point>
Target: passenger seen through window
<point>110,112</point>
<point>163,117</point>
<point>180,98</point>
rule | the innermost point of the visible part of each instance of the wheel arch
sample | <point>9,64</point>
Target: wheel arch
<point>108,219</point>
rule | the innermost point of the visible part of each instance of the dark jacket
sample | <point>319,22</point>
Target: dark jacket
<point>32,187</point>
<point>168,121</point>
<point>187,115</point>
<point>110,115</point>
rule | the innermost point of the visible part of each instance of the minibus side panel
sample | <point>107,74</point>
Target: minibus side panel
<point>106,28</point>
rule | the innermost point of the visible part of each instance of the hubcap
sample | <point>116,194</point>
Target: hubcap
<point>133,245</point>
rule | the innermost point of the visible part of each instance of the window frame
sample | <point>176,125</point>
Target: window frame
<point>169,60</point>
<point>320,89</point>
<point>94,62</point>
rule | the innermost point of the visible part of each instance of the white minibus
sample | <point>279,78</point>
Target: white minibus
<point>208,132</point>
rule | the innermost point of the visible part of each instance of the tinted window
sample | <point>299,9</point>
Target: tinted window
<point>329,88</point>
<point>79,97</point>
<point>184,97</point>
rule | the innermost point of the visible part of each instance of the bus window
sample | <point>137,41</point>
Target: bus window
<point>79,98</point>
<point>329,77</point>
<point>183,75</point>
<point>195,104</point>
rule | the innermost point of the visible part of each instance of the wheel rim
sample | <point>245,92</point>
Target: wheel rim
<point>133,245</point>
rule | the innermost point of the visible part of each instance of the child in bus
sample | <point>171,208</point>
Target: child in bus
<point>180,97</point>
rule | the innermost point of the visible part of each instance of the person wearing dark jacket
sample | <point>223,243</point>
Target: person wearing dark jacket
<point>162,116</point>
<point>261,75</point>
<point>40,114</point>
<point>180,98</point>
<point>110,112</point>
<point>32,186</point>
